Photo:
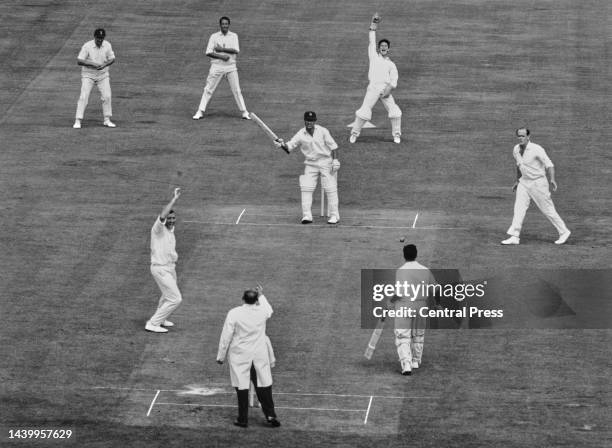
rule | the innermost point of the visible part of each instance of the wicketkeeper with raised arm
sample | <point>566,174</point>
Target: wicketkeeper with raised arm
<point>320,151</point>
<point>383,77</point>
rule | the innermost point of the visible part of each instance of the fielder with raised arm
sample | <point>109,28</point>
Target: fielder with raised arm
<point>163,262</point>
<point>249,352</point>
<point>383,77</point>
<point>320,152</point>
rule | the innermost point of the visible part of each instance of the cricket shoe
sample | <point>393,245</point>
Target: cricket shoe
<point>563,237</point>
<point>246,115</point>
<point>352,138</point>
<point>397,139</point>
<point>199,114</point>
<point>306,219</point>
<point>414,364</point>
<point>512,240</point>
<point>167,323</point>
<point>333,220</point>
<point>109,124</point>
<point>155,328</point>
<point>241,424</point>
<point>77,124</point>
<point>407,372</point>
<point>273,422</point>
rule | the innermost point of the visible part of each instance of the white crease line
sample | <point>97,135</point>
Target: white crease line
<point>415,220</point>
<point>365,420</point>
<point>238,220</point>
<point>339,226</point>
<point>325,394</point>
<point>344,217</point>
<point>275,407</point>
<point>153,402</point>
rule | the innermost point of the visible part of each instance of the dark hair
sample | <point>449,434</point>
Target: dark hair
<point>171,211</point>
<point>250,296</point>
<point>224,18</point>
<point>384,40</point>
<point>100,33</point>
<point>410,252</point>
<point>518,129</point>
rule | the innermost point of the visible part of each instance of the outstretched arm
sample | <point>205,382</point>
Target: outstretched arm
<point>372,35</point>
<point>169,205</point>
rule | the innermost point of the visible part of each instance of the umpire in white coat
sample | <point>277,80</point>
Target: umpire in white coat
<point>245,344</point>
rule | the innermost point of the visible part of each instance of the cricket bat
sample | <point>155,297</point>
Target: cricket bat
<point>374,338</point>
<point>269,132</point>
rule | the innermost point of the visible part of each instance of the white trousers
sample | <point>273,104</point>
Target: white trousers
<point>538,191</point>
<point>329,183</point>
<point>212,82</point>
<point>171,298</point>
<point>409,345</point>
<point>409,339</point>
<point>105,94</point>
<point>365,111</point>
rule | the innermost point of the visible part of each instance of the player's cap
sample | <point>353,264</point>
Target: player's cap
<point>100,33</point>
<point>310,116</point>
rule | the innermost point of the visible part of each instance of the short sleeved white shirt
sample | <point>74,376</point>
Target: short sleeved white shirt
<point>533,162</point>
<point>91,53</point>
<point>163,244</point>
<point>229,40</point>
<point>317,146</point>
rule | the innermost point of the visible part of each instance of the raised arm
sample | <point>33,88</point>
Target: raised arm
<point>263,301</point>
<point>372,35</point>
<point>169,205</point>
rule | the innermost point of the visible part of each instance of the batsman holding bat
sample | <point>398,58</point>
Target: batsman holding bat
<point>383,77</point>
<point>320,151</point>
<point>410,331</point>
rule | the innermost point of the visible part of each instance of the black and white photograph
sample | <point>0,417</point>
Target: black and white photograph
<point>306,224</point>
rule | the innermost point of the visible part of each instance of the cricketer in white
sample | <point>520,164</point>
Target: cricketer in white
<point>410,331</point>
<point>223,49</point>
<point>248,350</point>
<point>95,57</point>
<point>383,78</point>
<point>532,165</point>
<point>320,153</point>
<point>163,262</point>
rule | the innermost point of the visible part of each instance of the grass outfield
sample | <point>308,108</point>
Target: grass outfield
<point>79,204</point>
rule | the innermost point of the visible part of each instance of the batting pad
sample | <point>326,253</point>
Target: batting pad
<point>367,125</point>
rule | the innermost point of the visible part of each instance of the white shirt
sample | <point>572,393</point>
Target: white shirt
<point>163,244</point>
<point>315,147</point>
<point>415,274</point>
<point>382,70</point>
<point>533,162</point>
<point>91,53</point>
<point>229,40</point>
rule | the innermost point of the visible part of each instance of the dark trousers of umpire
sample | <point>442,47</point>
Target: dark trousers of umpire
<point>264,395</point>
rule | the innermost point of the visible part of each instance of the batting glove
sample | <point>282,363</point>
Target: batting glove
<point>335,165</point>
